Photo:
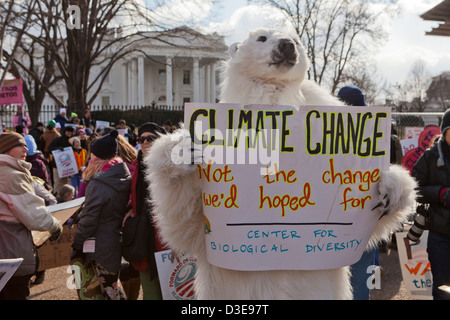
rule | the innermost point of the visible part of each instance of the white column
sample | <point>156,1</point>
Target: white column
<point>196,81</point>
<point>213,83</point>
<point>207,83</point>
<point>169,97</point>
<point>141,84</point>
<point>129,84</point>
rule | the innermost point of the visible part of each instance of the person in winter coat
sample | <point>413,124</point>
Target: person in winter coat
<point>80,158</point>
<point>48,136</point>
<point>432,172</point>
<point>148,132</point>
<point>39,165</point>
<point>21,120</point>
<point>61,118</point>
<point>107,196</point>
<point>21,211</point>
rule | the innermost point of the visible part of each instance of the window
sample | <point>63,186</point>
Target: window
<point>162,76</point>
<point>105,101</point>
<point>186,76</point>
<point>186,99</point>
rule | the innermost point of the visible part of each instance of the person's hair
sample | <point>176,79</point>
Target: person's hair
<point>65,190</point>
<point>126,150</point>
<point>96,165</point>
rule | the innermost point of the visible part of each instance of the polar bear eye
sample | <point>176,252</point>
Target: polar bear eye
<point>262,39</point>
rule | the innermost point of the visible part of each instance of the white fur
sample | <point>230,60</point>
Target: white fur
<point>249,79</point>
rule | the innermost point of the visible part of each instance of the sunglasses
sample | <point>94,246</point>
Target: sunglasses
<point>148,139</point>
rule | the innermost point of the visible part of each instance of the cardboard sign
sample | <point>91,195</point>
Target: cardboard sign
<point>176,278</point>
<point>415,267</point>
<point>11,92</point>
<point>65,162</point>
<point>286,189</point>
<point>54,254</point>
<point>62,212</point>
<point>7,269</point>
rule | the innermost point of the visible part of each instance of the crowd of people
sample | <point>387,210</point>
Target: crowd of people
<point>110,177</point>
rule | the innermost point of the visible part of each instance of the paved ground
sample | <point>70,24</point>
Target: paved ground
<point>54,286</point>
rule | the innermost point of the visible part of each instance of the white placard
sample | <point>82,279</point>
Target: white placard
<point>65,162</point>
<point>291,190</point>
<point>176,278</point>
<point>7,269</point>
<point>415,267</point>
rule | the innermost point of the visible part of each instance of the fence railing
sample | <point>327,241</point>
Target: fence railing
<point>404,121</point>
<point>401,121</point>
<point>48,112</point>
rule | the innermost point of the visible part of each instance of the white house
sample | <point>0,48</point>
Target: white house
<point>167,69</point>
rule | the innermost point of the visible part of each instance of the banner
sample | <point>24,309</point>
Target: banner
<point>286,189</point>
<point>11,92</point>
<point>7,269</point>
<point>65,162</point>
<point>415,267</point>
<point>176,277</point>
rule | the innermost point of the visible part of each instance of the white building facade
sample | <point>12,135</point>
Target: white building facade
<point>165,69</point>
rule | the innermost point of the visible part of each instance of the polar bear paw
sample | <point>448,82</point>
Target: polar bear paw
<point>176,154</point>
<point>396,191</point>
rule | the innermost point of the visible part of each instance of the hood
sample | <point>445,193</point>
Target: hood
<point>7,160</point>
<point>118,177</point>
<point>31,145</point>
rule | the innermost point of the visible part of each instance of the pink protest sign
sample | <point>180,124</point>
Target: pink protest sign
<point>11,92</point>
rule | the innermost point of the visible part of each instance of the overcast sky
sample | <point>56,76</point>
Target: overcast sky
<point>407,41</point>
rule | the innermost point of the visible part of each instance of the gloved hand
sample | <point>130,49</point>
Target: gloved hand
<point>444,197</point>
<point>55,234</point>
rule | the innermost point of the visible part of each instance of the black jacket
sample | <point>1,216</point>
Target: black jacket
<point>431,180</point>
<point>107,196</point>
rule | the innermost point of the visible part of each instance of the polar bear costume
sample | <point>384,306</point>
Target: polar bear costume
<point>268,68</point>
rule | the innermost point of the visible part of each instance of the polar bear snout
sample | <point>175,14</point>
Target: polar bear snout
<point>285,53</point>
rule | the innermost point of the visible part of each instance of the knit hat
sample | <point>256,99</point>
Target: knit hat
<point>445,121</point>
<point>105,147</point>
<point>352,95</point>
<point>52,123</point>
<point>9,140</point>
<point>151,127</point>
<point>444,126</point>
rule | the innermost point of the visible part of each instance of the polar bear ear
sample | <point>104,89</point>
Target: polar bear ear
<point>233,49</point>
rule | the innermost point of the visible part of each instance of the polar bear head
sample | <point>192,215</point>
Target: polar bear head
<point>269,55</point>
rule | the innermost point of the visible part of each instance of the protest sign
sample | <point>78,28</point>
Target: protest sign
<point>413,132</point>
<point>101,125</point>
<point>415,267</point>
<point>11,92</point>
<point>62,212</point>
<point>7,269</point>
<point>176,278</point>
<point>53,254</point>
<point>65,162</point>
<point>284,189</point>
<point>409,144</point>
<point>426,140</point>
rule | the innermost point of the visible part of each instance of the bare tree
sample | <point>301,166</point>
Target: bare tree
<point>83,35</point>
<point>336,33</point>
<point>10,38</point>
<point>416,84</point>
